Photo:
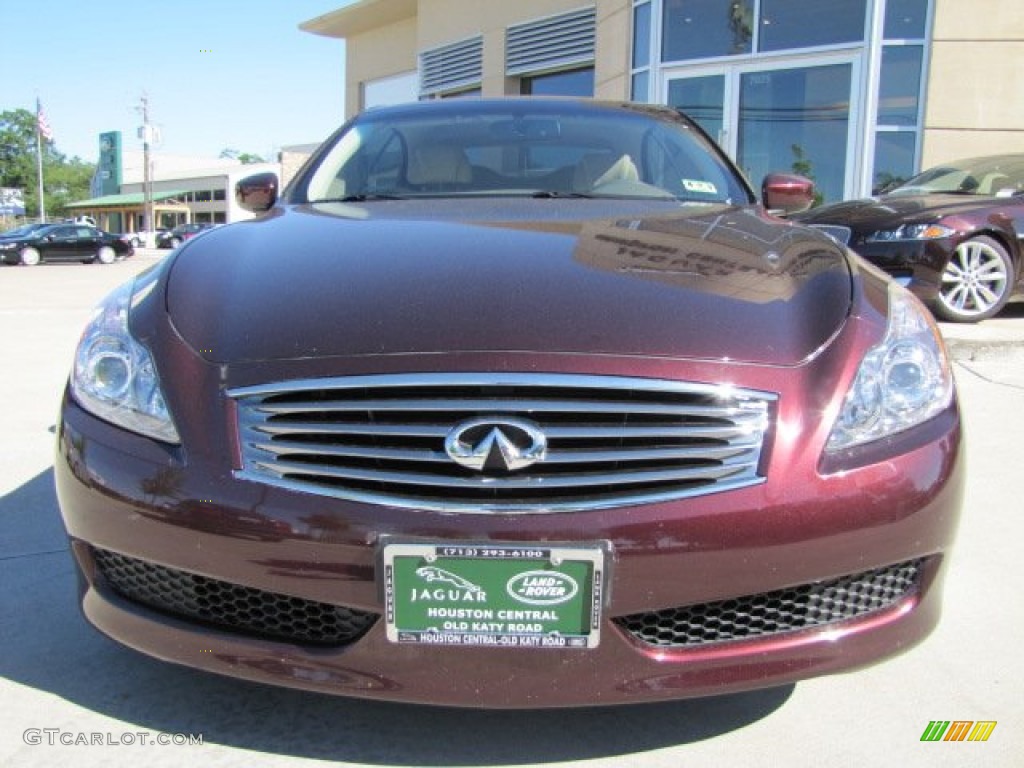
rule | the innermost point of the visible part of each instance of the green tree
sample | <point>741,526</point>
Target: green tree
<point>245,158</point>
<point>64,180</point>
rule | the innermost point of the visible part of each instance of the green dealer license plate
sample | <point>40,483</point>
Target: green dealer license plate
<point>503,596</point>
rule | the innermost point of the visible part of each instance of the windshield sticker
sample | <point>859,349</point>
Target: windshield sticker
<point>696,185</point>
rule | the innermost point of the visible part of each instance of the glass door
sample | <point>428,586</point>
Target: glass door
<point>795,117</point>
<point>703,99</point>
<point>798,120</point>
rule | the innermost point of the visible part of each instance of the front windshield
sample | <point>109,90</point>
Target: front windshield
<point>999,176</point>
<point>521,149</point>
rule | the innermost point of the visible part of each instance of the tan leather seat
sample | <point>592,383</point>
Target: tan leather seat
<point>438,166</point>
<point>599,168</point>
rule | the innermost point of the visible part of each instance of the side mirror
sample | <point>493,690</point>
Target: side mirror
<point>787,193</point>
<point>257,193</point>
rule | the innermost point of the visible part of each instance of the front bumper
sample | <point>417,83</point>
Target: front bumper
<point>916,264</point>
<point>738,557</point>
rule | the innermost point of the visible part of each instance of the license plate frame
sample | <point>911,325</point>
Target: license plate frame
<point>494,595</point>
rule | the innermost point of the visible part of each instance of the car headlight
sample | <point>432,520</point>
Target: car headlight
<point>114,377</point>
<point>903,381</point>
<point>911,232</point>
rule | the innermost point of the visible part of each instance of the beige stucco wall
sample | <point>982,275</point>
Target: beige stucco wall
<point>394,48</point>
<point>447,21</point>
<point>974,103</point>
<point>381,52</point>
<point>614,46</point>
<point>975,98</point>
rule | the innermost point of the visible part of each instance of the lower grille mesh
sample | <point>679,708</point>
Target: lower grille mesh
<point>785,610</point>
<point>231,606</point>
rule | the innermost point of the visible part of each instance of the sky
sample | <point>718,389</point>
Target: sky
<point>218,74</point>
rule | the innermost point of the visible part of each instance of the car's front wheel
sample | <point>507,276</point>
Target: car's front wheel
<point>30,256</point>
<point>175,242</point>
<point>976,283</point>
<point>105,255</point>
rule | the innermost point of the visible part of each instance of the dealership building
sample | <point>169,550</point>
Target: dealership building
<point>182,189</point>
<point>854,93</point>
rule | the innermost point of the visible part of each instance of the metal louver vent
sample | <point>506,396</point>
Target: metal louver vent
<point>451,67</point>
<point>552,43</point>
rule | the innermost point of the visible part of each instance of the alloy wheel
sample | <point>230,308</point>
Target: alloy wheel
<point>976,281</point>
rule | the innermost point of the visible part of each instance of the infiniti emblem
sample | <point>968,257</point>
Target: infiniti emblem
<point>496,444</point>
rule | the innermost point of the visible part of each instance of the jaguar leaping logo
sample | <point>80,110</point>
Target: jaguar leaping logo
<point>496,444</point>
<point>431,573</point>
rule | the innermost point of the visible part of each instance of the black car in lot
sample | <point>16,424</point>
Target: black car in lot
<point>172,238</point>
<point>22,231</point>
<point>64,242</point>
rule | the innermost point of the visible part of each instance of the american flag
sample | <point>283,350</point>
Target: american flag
<point>43,124</point>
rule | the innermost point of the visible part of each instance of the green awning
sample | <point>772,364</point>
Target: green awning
<point>126,200</point>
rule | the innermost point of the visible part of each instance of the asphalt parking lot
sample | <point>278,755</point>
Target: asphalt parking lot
<point>71,696</point>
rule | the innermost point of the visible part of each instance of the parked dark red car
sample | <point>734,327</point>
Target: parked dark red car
<point>172,238</point>
<point>513,404</point>
<point>952,235</point>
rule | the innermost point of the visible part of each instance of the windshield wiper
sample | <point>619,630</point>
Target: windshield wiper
<point>552,193</point>
<point>360,198</point>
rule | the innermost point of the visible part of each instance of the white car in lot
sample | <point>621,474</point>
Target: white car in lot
<point>143,238</point>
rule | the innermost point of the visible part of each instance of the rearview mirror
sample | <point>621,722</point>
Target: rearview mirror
<point>787,193</point>
<point>257,193</point>
<point>527,129</point>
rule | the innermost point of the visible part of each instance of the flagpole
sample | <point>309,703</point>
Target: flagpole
<point>39,167</point>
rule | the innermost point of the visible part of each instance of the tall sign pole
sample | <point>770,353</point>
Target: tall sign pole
<point>40,123</point>
<point>147,180</point>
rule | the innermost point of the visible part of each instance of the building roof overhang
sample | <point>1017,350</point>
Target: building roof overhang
<point>360,17</point>
<point>124,200</point>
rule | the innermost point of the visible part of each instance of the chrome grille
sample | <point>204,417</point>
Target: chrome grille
<point>611,441</point>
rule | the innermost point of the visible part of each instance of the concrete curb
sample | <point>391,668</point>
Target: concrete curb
<point>972,350</point>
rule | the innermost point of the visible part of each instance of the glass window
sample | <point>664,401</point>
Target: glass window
<point>702,99</point>
<point>905,19</point>
<point>698,29</point>
<point>900,87</point>
<point>397,89</point>
<point>801,24</point>
<point>218,194</point>
<point>797,120</point>
<point>470,93</point>
<point>642,36</point>
<point>641,83</point>
<point>894,159</point>
<point>576,82</point>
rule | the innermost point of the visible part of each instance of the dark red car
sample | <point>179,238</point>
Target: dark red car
<point>172,238</point>
<point>513,403</point>
<point>952,234</point>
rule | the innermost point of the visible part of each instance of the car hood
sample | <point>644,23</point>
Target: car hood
<point>548,276</point>
<point>872,214</point>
